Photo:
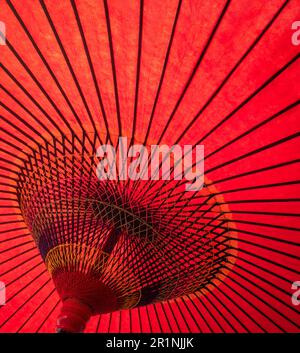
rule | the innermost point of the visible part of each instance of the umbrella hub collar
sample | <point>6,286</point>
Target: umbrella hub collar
<point>81,294</point>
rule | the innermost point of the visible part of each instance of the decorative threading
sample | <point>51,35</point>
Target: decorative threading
<point>146,242</point>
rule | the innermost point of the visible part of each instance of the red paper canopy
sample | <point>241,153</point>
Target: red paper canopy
<point>222,74</point>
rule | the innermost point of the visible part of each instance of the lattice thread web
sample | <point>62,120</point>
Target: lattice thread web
<point>145,246</point>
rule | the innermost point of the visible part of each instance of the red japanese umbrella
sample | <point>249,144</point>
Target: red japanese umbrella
<point>79,253</point>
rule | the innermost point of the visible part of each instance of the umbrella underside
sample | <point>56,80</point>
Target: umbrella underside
<point>79,74</point>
